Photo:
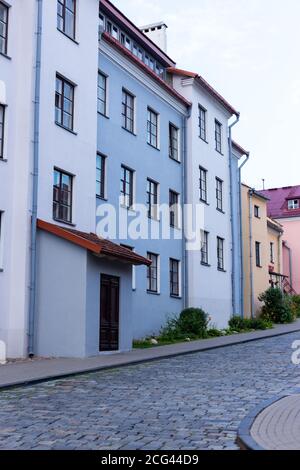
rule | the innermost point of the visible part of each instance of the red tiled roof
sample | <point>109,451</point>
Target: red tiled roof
<point>91,242</point>
<point>240,149</point>
<point>278,204</point>
<point>206,86</point>
<point>143,66</point>
<point>107,6</point>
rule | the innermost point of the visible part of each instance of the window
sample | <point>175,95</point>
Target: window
<point>219,194</point>
<point>257,212</point>
<point>152,198</point>
<point>152,273</point>
<point>204,247</point>
<point>203,184</point>
<point>109,27</point>
<point>64,103</point>
<point>272,259</point>
<point>133,279</point>
<point>126,187</point>
<point>152,128</point>
<point>115,32</point>
<point>257,254</point>
<point>174,277</point>
<point>1,241</point>
<point>218,136</point>
<point>173,204</point>
<point>102,94</point>
<point>202,123</point>
<point>66,17</point>
<point>100,176</point>
<point>128,111</point>
<point>173,142</point>
<point>62,196</point>
<point>2,117</point>
<point>293,204</point>
<point>220,253</point>
<point>3,28</point>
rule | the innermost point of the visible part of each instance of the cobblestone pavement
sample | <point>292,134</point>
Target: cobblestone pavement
<point>188,402</point>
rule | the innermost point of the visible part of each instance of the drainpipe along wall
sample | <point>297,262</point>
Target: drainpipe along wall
<point>241,236</point>
<point>185,269</point>
<point>36,138</point>
<point>233,256</point>
<point>251,253</point>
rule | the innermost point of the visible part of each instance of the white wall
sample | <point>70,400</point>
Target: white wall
<point>209,288</point>
<point>16,91</point>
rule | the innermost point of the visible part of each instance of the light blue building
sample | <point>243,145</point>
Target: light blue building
<point>141,148</point>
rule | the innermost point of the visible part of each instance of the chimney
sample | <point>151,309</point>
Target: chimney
<point>157,32</point>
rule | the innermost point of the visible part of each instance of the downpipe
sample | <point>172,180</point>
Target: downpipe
<point>36,141</point>
<point>241,236</point>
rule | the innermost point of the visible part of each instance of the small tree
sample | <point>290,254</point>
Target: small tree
<point>193,321</point>
<point>277,306</point>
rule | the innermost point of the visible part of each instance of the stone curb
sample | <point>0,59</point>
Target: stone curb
<point>244,438</point>
<point>136,361</point>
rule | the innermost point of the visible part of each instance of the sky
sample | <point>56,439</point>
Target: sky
<point>249,50</point>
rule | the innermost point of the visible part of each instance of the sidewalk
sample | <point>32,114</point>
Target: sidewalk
<point>39,370</point>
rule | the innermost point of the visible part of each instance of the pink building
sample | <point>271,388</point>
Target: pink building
<point>284,206</point>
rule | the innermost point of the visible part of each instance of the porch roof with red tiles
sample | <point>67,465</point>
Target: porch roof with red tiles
<point>94,244</point>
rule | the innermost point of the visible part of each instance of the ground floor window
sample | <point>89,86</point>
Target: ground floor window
<point>174,277</point>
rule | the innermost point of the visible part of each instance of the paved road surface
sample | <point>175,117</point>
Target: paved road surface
<point>187,402</point>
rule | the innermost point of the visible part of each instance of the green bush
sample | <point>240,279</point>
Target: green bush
<point>193,321</point>
<point>237,323</point>
<point>295,304</point>
<point>277,306</point>
<point>214,333</point>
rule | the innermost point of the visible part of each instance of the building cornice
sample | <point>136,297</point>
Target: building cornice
<point>130,64</point>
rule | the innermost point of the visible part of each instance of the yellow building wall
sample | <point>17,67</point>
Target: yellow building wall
<point>259,234</point>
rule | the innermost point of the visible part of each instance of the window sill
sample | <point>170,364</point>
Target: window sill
<point>259,266</point>
<point>203,140</point>
<point>66,128</point>
<point>105,199</point>
<point>1,270</point>
<point>221,211</point>
<point>150,292</point>
<point>5,55</point>
<point>103,115</point>
<point>220,152</point>
<point>174,160</point>
<point>222,270</point>
<point>129,132</point>
<point>70,224</point>
<point>174,227</point>
<point>154,219</point>
<point>4,160</point>
<point>129,209</point>
<point>153,146</point>
<point>178,297</point>
<point>204,202</point>
<point>206,265</point>
<point>67,36</point>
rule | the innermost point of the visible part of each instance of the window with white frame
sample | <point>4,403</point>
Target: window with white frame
<point>219,194</point>
<point>174,209</point>
<point>152,128</point>
<point>152,199</point>
<point>102,93</point>
<point>3,28</point>
<point>204,247</point>
<point>202,123</point>
<point>152,273</point>
<point>2,118</point>
<point>220,253</point>
<point>203,184</point>
<point>64,103</point>
<point>66,17</point>
<point>62,196</point>
<point>218,136</point>
<point>126,189</point>
<point>174,277</point>
<point>173,142</point>
<point>128,111</point>
<point>293,204</point>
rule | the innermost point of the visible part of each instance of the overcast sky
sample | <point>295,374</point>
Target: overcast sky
<point>249,51</point>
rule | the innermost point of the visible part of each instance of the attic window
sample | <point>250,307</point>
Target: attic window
<point>293,204</point>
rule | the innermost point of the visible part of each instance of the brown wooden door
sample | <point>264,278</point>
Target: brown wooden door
<point>109,313</point>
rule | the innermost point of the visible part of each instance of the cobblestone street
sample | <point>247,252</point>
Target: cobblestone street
<point>188,402</point>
